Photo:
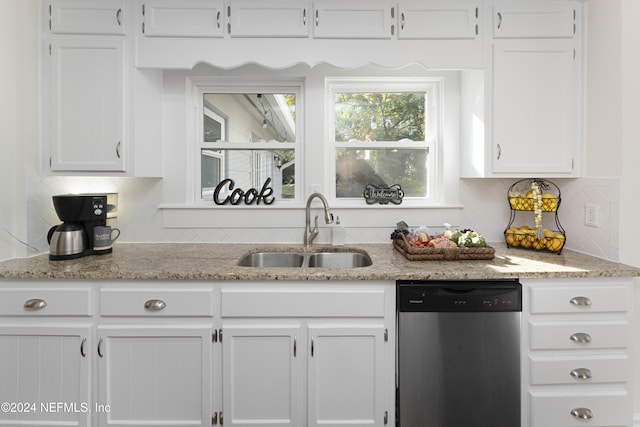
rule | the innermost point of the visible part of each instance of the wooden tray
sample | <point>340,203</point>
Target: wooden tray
<point>441,254</point>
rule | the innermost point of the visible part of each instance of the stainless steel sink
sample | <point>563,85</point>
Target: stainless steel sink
<point>339,260</point>
<point>272,259</point>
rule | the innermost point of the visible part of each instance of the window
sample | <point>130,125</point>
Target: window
<point>383,133</point>
<point>247,140</point>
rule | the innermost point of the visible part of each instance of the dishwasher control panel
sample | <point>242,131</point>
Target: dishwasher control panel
<point>463,296</point>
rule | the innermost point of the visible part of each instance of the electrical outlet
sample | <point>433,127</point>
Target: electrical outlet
<point>592,215</point>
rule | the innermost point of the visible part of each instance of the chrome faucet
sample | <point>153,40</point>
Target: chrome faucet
<point>310,234</point>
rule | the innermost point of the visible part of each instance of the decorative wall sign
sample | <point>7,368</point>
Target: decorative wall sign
<point>249,197</point>
<point>383,195</point>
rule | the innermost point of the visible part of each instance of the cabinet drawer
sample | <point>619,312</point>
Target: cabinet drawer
<point>606,408</point>
<point>578,335</point>
<point>45,302</point>
<point>164,302</point>
<point>606,368</point>
<point>74,17</point>
<point>579,299</point>
<point>302,303</point>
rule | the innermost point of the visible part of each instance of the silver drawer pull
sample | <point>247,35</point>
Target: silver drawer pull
<point>582,413</point>
<point>154,305</point>
<point>581,338</point>
<point>35,304</point>
<point>580,301</point>
<point>581,373</point>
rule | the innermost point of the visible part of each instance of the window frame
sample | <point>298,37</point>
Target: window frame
<point>249,85</point>
<point>434,111</point>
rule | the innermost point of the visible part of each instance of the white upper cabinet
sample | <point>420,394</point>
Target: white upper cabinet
<point>530,123</point>
<point>87,17</point>
<point>95,103</point>
<point>178,34</point>
<point>536,21</point>
<point>275,18</point>
<point>87,105</point>
<point>354,20</point>
<point>438,20</point>
<point>535,89</point>
<point>187,18</point>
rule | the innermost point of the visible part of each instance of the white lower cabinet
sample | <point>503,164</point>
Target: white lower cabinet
<point>577,353</point>
<point>262,374</point>
<point>45,354</point>
<point>346,375</point>
<point>45,374</point>
<point>154,375</point>
<point>265,366</point>
<point>155,355</point>
<point>281,353</point>
<point>308,355</point>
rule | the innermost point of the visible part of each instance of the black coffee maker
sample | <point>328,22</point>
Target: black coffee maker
<point>80,213</point>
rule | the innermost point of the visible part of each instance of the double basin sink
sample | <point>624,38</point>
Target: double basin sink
<point>302,259</point>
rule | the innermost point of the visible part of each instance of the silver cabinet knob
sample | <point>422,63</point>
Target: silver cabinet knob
<point>582,413</point>
<point>154,305</point>
<point>580,301</point>
<point>581,373</point>
<point>35,304</point>
<point>580,338</point>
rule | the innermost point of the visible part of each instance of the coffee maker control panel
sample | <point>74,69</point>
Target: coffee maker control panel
<point>98,206</point>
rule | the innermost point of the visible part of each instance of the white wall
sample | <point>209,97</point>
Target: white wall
<point>18,118</point>
<point>613,134</point>
<point>630,72</point>
<point>8,142</point>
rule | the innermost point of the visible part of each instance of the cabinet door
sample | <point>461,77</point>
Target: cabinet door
<point>276,18</point>
<point>346,376</point>
<point>87,110</point>
<point>183,18</point>
<point>438,20</point>
<point>45,373</point>
<point>354,20</point>
<point>535,106</point>
<point>262,375</point>
<point>87,17</point>
<point>535,20</point>
<point>155,375</point>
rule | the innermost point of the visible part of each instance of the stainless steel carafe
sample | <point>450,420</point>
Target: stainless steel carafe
<point>67,241</point>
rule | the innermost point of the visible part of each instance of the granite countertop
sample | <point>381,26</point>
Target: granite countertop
<point>215,261</point>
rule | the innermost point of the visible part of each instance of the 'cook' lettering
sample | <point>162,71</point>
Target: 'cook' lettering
<point>238,195</point>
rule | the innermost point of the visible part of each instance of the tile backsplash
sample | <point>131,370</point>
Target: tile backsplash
<point>485,209</point>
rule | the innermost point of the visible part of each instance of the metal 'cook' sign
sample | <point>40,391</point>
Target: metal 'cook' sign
<point>249,197</point>
<point>383,195</point>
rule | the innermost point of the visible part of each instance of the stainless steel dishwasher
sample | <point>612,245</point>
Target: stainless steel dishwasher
<point>459,353</point>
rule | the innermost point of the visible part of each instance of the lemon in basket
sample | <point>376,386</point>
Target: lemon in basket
<point>549,202</point>
<point>539,244</point>
<point>555,244</point>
